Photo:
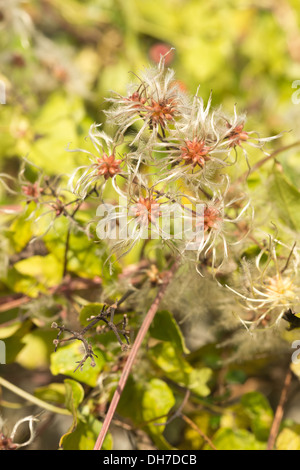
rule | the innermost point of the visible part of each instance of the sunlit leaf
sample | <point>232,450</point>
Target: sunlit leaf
<point>173,364</point>
<point>37,349</point>
<point>54,392</point>
<point>74,395</point>
<point>288,440</point>
<point>85,436</point>
<point>46,269</point>
<point>89,311</point>
<point>73,398</point>
<point>158,399</point>
<point>260,413</point>
<point>165,328</point>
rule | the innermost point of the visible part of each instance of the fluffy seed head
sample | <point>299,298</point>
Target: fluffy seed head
<point>146,210</point>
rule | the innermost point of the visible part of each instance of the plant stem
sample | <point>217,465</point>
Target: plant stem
<point>198,430</point>
<point>132,356</point>
<point>36,401</point>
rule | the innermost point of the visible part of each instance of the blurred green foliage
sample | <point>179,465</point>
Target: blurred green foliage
<point>59,60</point>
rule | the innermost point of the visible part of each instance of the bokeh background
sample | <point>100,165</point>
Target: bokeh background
<point>59,60</point>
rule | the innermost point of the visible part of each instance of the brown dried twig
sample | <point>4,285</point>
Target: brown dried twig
<point>198,430</point>
<point>67,287</point>
<point>79,336</point>
<point>132,355</point>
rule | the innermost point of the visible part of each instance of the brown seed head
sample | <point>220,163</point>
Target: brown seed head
<point>108,166</point>
<point>195,152</point>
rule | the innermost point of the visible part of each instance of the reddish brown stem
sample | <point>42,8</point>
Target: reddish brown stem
<point>132,356</point>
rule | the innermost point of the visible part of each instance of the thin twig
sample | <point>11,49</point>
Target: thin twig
<point>132,356</point>
<point>36,401</point>
<point>89,353</point>
<point>198,430</point>
<point>279,411</point>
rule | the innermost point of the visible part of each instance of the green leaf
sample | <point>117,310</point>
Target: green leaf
<point>22,283</point>
<point>15,343</point>
<point>83,256</point>
<point>251,251</point>
<point>47,270</point>
<point>56,127</point>
<point>171,361</point>
<point>73,398</point>
<point>20,231</point>
<point>54,392</point>
<point>158,399</point>
<point>165,328</point>
<point>74,395</point>
<point>9,330</point>
<point>234,417</point>
<point>146,403</point>
<point>240,439</point>
<point>236,376</point>
<point>259,412</point>
<point>130,402</point>
<point>37,348</point>
<point>65,359</point>
<point>287,199</point>
<point>288,440</point>
<point>13,346</point>
<point>198,379</point>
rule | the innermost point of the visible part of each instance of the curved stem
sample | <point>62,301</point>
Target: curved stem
<point>132,356</point>
<point>36,401</point>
